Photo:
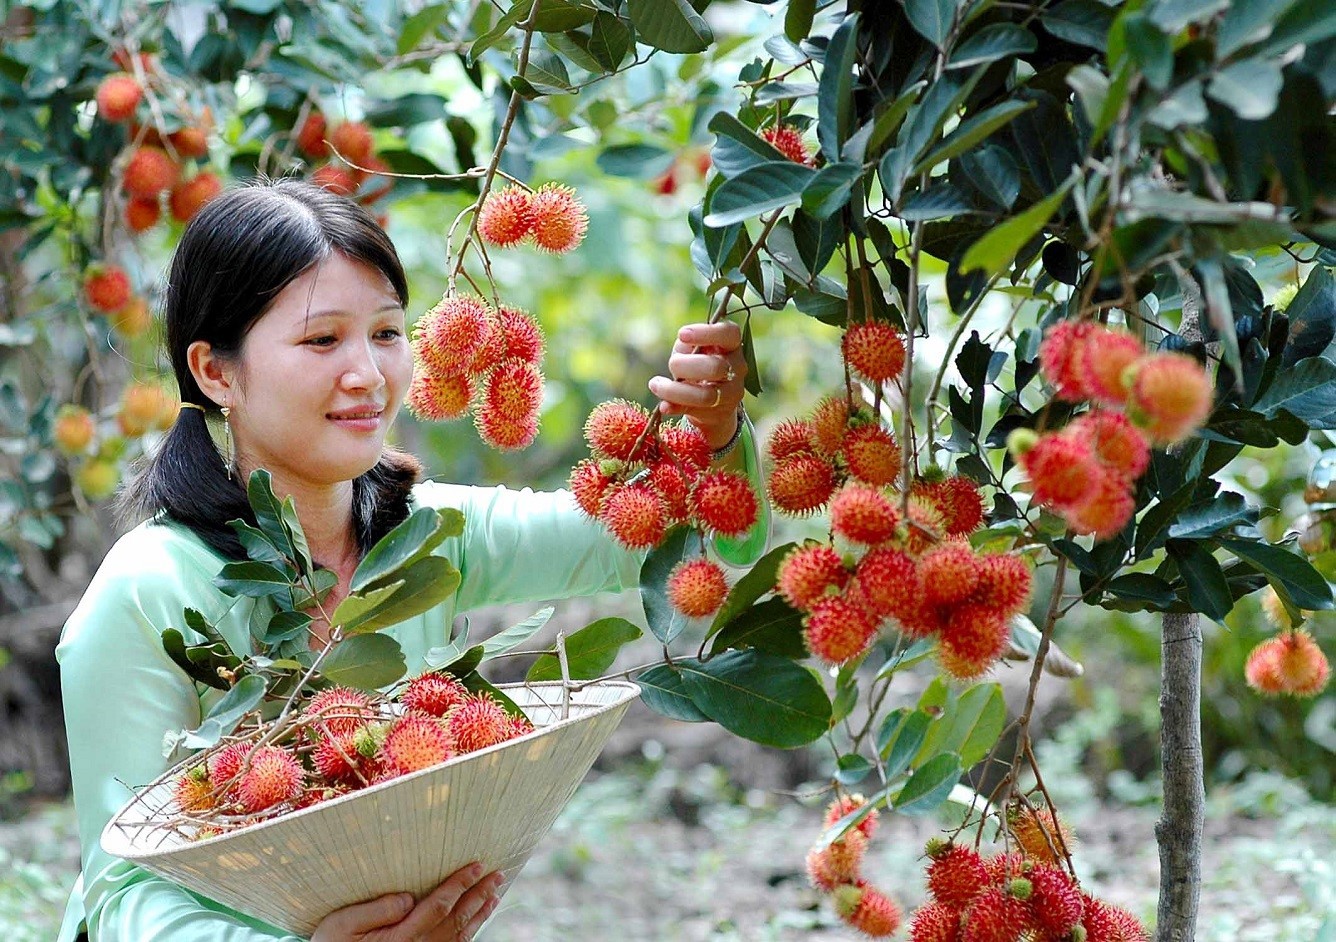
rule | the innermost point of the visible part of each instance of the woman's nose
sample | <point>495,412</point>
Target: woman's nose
<point>363,370</point>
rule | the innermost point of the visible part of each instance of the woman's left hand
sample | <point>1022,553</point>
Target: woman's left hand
<point>705,379</point>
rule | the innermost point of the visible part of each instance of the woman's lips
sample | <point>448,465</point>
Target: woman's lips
<point>364,421</point>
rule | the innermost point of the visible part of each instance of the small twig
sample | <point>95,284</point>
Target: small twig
<point>565,675</point>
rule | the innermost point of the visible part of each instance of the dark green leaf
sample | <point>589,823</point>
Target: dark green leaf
<point>610,40</point>
<point>253,580</point>
<point>589,651</point>
<point>835,104</point>
<point>664,621</point>
<point>420,533</point>
<point>1307,390</point>
<point>1084,22</point>
<point>663,691</point>
<point>758,581</point>
<point>258,546</point>
<point>639,161</point>
<point>828,189</point>
<point>284,626</point>
<point>992,171</point>
<point>1207,590</point>
<point>1172,15</point>
<point>422,23</point>
<point>1312,317</point>
<point>761,697</point>
<point>738,147</point>
<point>1150,49</point>
<point>930,784</point>
<point>932,19</point>
<point>670,25</point>
<point>1292,572</point>
<point>971,132</point>
<point>1221,513</point>
<point>995,252</point>
<point>1142,587</point>
<point>269,512</point>
<point>408,110</point>
<point>244,697</point>
<point>367,662</point>
<point>852,769</point>
<point>798,19</point>
<point>992,42</point>
<point>772,625</point>
<point>516,634</point>
<point>758,189</point>
<point>942,201</point>
<point>201,671</point>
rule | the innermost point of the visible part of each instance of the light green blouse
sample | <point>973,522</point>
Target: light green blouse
<point>122,692</point>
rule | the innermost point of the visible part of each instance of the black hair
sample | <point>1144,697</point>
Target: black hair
<point>235,257</point>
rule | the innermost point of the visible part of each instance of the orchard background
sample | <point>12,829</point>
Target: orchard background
<point>978,173</point>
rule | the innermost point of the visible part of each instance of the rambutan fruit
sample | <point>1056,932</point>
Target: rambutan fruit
<point>972,640</point>
<point>810,573</point>
<point>273,776</point>
<point>143,407</point>
<point>1105,509</point>
<point>686,445</point>
<point>935,922</point>
<point>416,741</point>
<point>948,572</point>
<point>995,916</point>
<point>1041,835</point>
<point>1102,359</point>
<point>520,334</point>
<point>353,140</point>
<point>874,350</point>
<point>1170,396</point>
<point>477,723</point>
<point>187,198</point>
<point>150,172</point>
<point>74,429</point>
<point>455,333</point>
<point>504,432</point>
<point>801,484</point>
<point>829,423</point>
<point>863,515</point>
<point>134,320</point>
<point>142,213</point>
<point>871,455</point>
<point>559,218</point>
<point>310,136</point>
<point>1116,442</point>
<point>790,437</point>
<point>925,526</point>
<point>888,582</point>
<point>613,429</point>
<point>439,398</point>
<point>957,499</point>
<point>1104,922</point>
<point>1005,581</point>
<point>433,694</point>
<point>335,179</point>
<point>724,502</point>
<point>846,804</point>
<point>1005,867</point>
<point>193,790</point>
<point>788,140</point>
<point>634,516</point>
<point>190,142</point>
<point>118,96</point>
<point>868,910</point>
<point>226,763</point>
<point>514,390</point>
<point>1060,358</point>
<point>837,863</point>
<point>336,758</point>
<point>1291,663</point>
<point>1055,901</point>
<point>673,488</point>
<point>339,711</point>
<point>1063,470</point>
<point>837,630</point>
<point>106,287</point>
<point>956,874</point>
<point>506,217</point>
<point>697,587</point>
<point>588,485</point>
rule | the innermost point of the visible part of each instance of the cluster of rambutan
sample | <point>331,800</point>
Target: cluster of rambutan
<point>342,741</point>
<point>1289,664</point>
<point>1087,471</point>
<point>1010,897</point>
<point>645,477</point>
<point>360,174</point>
<point>836,870</point>
<point>469,355</point>
<point>551,217</point>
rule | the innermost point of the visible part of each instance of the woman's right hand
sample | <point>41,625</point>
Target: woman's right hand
<point>453,912</point>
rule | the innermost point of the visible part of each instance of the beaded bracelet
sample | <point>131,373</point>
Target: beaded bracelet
<point>723,450</point>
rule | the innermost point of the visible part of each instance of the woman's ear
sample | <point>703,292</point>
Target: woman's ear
<point>212,373</point>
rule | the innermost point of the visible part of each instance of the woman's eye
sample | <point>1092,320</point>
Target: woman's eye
<point>322,341</point>
<point>390,333</point>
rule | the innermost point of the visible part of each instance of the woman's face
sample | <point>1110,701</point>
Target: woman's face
<point>321,376</point>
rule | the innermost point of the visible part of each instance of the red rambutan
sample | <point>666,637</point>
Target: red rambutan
<point>868,910</point>
<point>1060,356</point>
<point>506,217</point>
<point>117,97</point>
<point>948,572</point>
<point>888,582</point>
<point>455,333</point>
<point>1102,360</point>
<point>187,198</point>
<point>1005,582</point>
<point>634,516</point>
<point>149,172</point>
<point>935,922</point>
<point>142,213</point>
<point>724,502</point>
<point>514,390</point>
<point>925,526</point>
<point>697,587</point>
<point>190,143</point>
<point>837,630</point>
<point>1055,901</point>
<point>1104,922</point>
<point>353,140</point>
<point>107,288</point>
<point>588,485</point>
<point>956,875</point>
<point>995,916</point>
<point>837,863</point>
<point>433,694</point>
<point>439,398</point>
<point>1115,441</point>
<point>802,484</point>
<point>1063,470</point>
<point>1171,396</point>
<point>863,515</point>
<point>790,437</point>
<point>311,136</point>
<point>871,455</point>
<point>613,429</point>
<point>339,711</point>
<point>504,432</point>
<point>1041,835</point>
<point>559,218</point>
<point>668,481</point>
<point>1106,508</point>
<point>479,722</point>
<point>522,336</point>
<point>273,776</point>
<point>829,423</point>
<point>972,639</point>
<point>874,350</point>
<point>193,791</point>
<point>809,573</point>
<point>416,741</point>
<point>958,500</point>
<point>788,140</point>
<point>336,758</point>
<point>686,445</point>
<point>226,763</point>
<point>335,179</point>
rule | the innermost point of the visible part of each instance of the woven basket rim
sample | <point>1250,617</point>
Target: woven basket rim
<point>632,690</point>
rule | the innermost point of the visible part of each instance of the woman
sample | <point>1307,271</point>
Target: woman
<point>285,311</point>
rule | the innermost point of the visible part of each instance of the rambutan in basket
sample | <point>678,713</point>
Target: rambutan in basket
<point>407,834</point>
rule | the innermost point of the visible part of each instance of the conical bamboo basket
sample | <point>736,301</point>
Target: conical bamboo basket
<point>406,834</point>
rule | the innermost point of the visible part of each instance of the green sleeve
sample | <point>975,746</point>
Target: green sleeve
<point>121,694</point>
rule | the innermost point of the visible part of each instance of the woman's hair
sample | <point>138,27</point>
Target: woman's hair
<point>237,254</point>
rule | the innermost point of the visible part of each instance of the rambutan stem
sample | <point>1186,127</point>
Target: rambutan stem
<point>1057,842</point>
<point>565,664</point>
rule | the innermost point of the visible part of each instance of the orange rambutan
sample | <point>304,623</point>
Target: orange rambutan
<point>106,287</point>
<point>1062,470</point>
<point>353,140</point>
<point>1005,867</point>
<point>190,142</point>
<point>520,334</point>
<point>1116,442</point>
<point>433,694</point>
<point>697,587</point>
<point>118,96</point>
<point>310,136</point>
<point>868,910</point>
<point>335,179</point>
<point>1291,663</point>
<point>1170,397</point>
<point>588,485</point>
<point>477,723</point>
<point>863,515</point>
<point>1041,835</point>
<point>225,764</point>
<point>957,499</point>
<point>935,922</point>
<point>956,874</point>
<point>339,711</point>
<point>439,398</point>
<point>193,791</point>
<point>142,213</point>
<point>514,390</point>
<point>790,437</point>
<point>74,429</point>
<point>454,334</point>
<point>801,484</point>
<point>686,445</point>
<point>559,218</point>
<point>505,432</point>
<point>724,502</point>
<point>788,140</point>
<point>416,741</point>
<point>874,350</point>
<point>837,863</point>
<point>836,630</point>
<point>1105,509</point>
<point>149,172</point>
<point>1005,581</point>
<point>336,758</point>
<point>871,455</point>
<point>187,198</point>
<point>948,572</point>
<point>673,488</point>
<point>634,516</point>
<point>134,320</point>
<point>613,429</point>
<point>972,640</point>
<point>995,916</point>
<point>809,573</point>
<point>1060,358</point>
<point>273,776</point>
<point>1101,361</point>
<point>506,217</point>
<point>829,422</point>
<point>1055,901</point>
<point>924,527</point>
<point>847,804</point>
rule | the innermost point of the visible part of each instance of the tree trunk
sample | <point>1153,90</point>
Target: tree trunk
<point>1179,829</point>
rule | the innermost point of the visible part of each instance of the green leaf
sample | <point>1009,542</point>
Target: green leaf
<point>517,634</point>
<point>928,787</point>
<point>367,662</point>
<point>408,110</point>
<point>253,580</point>
<point>244,697</point>
<point>1185,106</point>
<point>747,591</point>
<point>1221,513</point>
<point>284,626</point>
<point>455,657</point>
<point>759,696</point>
<point>1250,88</point>
<point>665,622</point>
<point>1290,571</point>
<point>993,172</point>
<point>851,769</point>
<point>1312,317</point>
<point>257,545</point>
<point>931,19</point>
<point>997,249</point>
<point>420,24</point>
<point>419,534</point>
<point>426,583</point>
<point>1308,391</point>
<point>494,35</point>
<point>758,189</point>
<point>202,671</point>
<point>547,73</point>
<point>772,626</point>
<point>992,42</point>
<point>798,19</point>
<point>360,604</point>
<point>1144,589</point>
<point>269,513</point>
<point>738,147</point>
<point>1207,590</point>
<point>888,120</point>
<point>670,25</point>
<point>1150,49</point>
<point>919,651</point>
<point>589,651</point>
<point>971,726</point>
<point>664,691</point>
<point>942,201</point>
<point>638,161</point>
<point>835,101</point>
<point>1084,22</point>
<point>971,132</point>
<point>900,737</point>
<point>827,191</point>
<point>610,40</point>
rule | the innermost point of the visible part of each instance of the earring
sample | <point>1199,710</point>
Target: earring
<point>229,461</point>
